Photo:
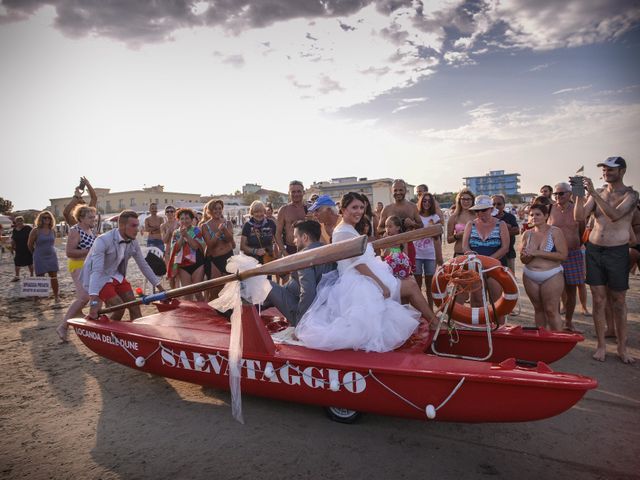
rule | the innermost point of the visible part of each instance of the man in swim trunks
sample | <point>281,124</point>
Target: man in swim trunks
<point>296,296</point>
<point>562,216</point>
<point>105,268</point>
<point>152,225</point>
<point>288,215</point>
<point>608,250</point>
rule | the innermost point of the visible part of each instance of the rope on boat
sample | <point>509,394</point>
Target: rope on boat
<point>334,385</point>
<point>429,410</point>
<point>140,360</point>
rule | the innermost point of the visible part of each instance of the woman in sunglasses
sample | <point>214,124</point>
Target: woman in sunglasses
<point>488,236</point>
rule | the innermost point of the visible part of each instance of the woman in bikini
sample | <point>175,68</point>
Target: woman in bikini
<point>543,251</point>
<point>187,251</point>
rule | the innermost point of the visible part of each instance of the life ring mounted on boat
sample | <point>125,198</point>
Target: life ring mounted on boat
<point>483,265</point>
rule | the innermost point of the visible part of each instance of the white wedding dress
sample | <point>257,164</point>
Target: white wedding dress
<point>350,312</point>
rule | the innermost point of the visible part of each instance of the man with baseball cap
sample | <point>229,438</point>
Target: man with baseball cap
<point>325,211</point>
<point>608,250</point>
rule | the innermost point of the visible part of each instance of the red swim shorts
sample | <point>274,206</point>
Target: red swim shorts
<point>114,288</point>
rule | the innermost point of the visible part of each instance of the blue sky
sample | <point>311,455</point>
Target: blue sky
<point>206,96</point>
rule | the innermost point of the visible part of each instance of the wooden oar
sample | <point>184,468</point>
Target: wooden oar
<point>309,258</point>
<point>410,236</point>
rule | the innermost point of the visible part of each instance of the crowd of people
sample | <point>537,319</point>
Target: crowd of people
<point>571,234</point>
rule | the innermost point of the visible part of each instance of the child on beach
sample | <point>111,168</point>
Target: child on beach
<point>395,256</point>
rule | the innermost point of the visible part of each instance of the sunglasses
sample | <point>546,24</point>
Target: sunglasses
<point>559,194</point>
<point>483,210</point>
<point>466,199</point>
<point>170,211</point>
<point>497,204</point>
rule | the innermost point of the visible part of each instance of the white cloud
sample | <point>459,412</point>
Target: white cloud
<point>572,89</point>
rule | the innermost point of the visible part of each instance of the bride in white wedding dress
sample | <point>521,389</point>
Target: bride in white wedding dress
<point>359,305</point>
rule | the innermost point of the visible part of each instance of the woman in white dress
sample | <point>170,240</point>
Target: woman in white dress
<point>359,305</point>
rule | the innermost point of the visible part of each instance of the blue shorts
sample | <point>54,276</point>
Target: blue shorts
<point>425,267</point>
<point>155,242</point>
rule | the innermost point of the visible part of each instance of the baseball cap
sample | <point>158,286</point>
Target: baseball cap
<point>614,162</point>
<point>322,201</point>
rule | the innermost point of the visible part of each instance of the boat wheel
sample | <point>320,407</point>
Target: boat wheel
<point>342,415</point>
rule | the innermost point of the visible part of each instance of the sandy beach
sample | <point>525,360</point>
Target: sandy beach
<point>68,413</point>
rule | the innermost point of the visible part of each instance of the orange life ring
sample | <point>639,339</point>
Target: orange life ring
<point>476,315</point>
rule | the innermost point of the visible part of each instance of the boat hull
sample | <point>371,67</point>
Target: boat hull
<point>183,345</point>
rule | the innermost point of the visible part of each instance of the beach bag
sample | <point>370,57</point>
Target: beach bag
<point>155,261</point>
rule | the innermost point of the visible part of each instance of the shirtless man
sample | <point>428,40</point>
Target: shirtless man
<point>545,191</point>
<point>562,216</point>
<point>166,230</point>
<point>288,216</point>
<point>152,225</point>
<point>608,250</point>
<point>401,207</point>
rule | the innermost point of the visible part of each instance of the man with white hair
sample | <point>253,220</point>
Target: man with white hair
<point>325,210</point>
<point>562,216</point>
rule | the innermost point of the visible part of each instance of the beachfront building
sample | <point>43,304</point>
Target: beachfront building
<point>377,190</point>
<point>138,200</point>
<point>494,182</point>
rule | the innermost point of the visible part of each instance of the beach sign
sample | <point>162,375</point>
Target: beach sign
<point>35,286</point>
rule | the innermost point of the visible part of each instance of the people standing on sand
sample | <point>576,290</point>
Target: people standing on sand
<point>77,199</point>
<point>562,216</point>
<point>462,214</point>
<point>325,211</point>
<point>218,237</point>
<point>296,296</point>
<point>543,251</point>
<point>186,260</point>
<point>153,228</point>
<point>608,250</point>
<point>257,239</point>
<point>288,215</point>
<point>80,240</point>
<point>105,268</point>
<point>512,227</point>
<point>380,323</point>
<point>41,243</point>
<point>428,250</point>
<point>22,256</point>
<point>488,236</point>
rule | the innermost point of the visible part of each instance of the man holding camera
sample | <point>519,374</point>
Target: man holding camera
<point>608,250</point>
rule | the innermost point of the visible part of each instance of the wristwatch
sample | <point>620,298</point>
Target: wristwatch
<point>94,303</point>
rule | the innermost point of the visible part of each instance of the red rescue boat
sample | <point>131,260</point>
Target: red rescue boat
<point>191,344</point>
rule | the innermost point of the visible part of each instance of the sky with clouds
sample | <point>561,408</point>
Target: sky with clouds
<point>206,96</point>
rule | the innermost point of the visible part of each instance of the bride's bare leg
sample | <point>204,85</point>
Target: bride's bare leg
<point>411,294</point>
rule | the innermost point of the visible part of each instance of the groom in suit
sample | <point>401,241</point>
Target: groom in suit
<point>296,296</point>
<point>105,268</point>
